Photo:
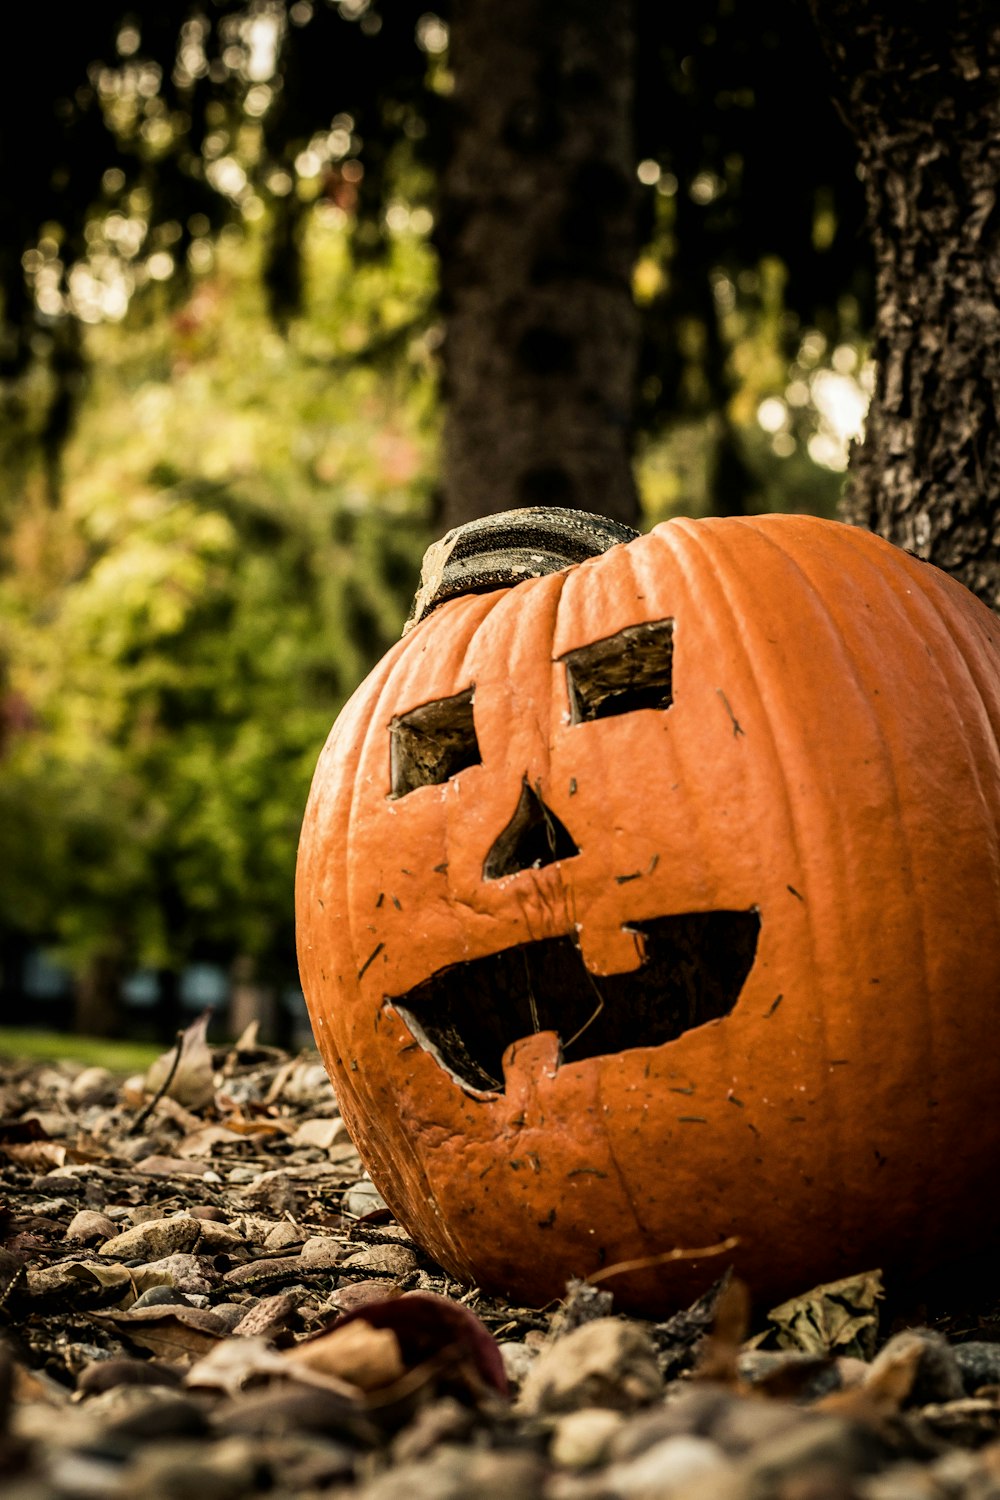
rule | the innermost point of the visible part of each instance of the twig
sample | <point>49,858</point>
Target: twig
<point>648,1261</point>
<point>141,1118</point>
<point>21,1274</point>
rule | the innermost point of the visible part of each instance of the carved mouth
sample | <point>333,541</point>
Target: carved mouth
<point>692,971</point>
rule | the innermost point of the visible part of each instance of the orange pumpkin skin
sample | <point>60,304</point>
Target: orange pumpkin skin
<point>830,759</point>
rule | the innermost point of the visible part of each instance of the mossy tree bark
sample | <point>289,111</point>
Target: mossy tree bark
<point>919,84</point>
<point>537,240</point>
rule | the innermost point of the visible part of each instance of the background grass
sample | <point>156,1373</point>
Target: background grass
<point>35,1046</point>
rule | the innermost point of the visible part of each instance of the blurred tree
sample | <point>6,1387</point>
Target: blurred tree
<point>537,237</point>
<point>159,124</point>
<point>236,545</point>
<point>920,85</point>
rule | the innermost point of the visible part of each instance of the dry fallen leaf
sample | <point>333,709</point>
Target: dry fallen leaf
<point>60,1280</point>
<point>174,1332</point>
<point>320,1132</point>
<point>838,1317</point>
<point>367,1357</point>
<point>193,1081</point>
<point>200,1142</point>
<point>35,1156</point>
<point>438,1336</point>
<point>231,1365</point>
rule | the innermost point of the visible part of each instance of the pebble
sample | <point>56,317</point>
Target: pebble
<point>185,1273</point>
<point>815,1450</point>
<point>665,1469</point>
<point>321,1252</point>
<point>94,1086</point>
<point>88,1227</point>
<point>354,1294</point>
<point>269,1316</point>
<point>460,1473</point>
<point>231,1314</point>
<point>391,1260</point>
<point>936,1375</point>
<point>181,1470</point>
<point>580,1439</point>
<point>56,1125</point>
<point>154,1239</point>
<point>363,1198</point>
<point>160,1296</point>
<point>104,1374</point>
<point>978,1363</point>
<point>282,1236</point>
<point>604,1363</point>
<point>518,1359</point>
<point>283,1409</point>
<point>446,1420</point>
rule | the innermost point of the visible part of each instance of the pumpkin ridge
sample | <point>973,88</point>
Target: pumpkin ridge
<point>788,740</point>
<point>923,599</point>
<point>907,605</point>
<point>704,544</point>
<point>888,771</point>
<point>933,598</point>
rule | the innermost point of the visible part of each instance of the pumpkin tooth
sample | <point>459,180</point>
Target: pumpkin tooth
<point>691,970</point>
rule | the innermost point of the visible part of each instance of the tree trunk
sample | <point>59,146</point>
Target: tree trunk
<point>97,1009</point>
<point>249,1001</point>
<point>536,235</point>
<point>920,87</point>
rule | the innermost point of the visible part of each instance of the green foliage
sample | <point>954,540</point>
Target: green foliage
<point>246,493</point>
<point>242,522</point>
<point>156,128</point>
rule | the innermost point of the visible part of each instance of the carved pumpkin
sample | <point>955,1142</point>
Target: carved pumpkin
<point>656,901</point>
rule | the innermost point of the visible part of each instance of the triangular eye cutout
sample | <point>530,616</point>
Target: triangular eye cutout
<point>534,837</point>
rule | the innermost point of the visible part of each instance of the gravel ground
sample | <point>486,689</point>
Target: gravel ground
<point>202,1297</point>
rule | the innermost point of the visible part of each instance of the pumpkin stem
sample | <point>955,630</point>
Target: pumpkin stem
<point>499,551</point>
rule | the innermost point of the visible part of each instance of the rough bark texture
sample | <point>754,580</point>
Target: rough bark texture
<point>536,234</point>
<point>919,84</point>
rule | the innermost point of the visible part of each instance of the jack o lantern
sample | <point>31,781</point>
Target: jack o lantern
<point>655,901</point>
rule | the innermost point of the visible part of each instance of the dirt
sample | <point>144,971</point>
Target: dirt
<point>202,1295</point>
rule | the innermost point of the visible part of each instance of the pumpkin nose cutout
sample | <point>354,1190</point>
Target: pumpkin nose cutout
<point>533,838</point>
